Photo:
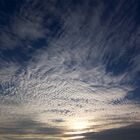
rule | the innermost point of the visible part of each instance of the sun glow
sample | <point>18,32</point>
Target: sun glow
<point>78,124</point>
<point>77,127</point>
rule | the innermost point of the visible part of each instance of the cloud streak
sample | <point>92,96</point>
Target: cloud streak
<point>86,70</point>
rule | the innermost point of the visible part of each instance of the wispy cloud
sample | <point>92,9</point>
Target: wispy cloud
<point>86,70</point>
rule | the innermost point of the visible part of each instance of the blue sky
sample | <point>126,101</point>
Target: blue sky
<point>69,69</point>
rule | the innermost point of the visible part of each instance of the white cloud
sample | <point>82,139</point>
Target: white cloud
<point>60,81</point>
<point>69,78</point>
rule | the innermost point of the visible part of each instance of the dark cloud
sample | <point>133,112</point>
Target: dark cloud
<point>28,126</point>
<point>57,120</point>
<point>129,133</point>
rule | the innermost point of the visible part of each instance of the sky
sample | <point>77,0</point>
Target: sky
<point>69,69</point>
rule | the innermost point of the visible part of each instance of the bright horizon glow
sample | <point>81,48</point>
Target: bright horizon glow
<point>78,124</point>
<point>76,137</point>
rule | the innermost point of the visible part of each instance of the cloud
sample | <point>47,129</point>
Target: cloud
<point>130,132</point>
<point>29,129</point>
<point>85,70</point>
<point>29,23</point>
<point>26,128</point>
<point>8,69</point>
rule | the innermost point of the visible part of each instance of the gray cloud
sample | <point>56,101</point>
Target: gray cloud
<point>130,132</point>
<point>30,129</point>
<point>26,128</point>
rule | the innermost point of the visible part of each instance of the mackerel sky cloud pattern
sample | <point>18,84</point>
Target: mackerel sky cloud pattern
<point>64,61</point>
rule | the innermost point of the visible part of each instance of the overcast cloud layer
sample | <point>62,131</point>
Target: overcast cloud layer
<point>66,60</point>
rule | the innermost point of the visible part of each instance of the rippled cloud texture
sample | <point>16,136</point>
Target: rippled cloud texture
<point>68,61</point>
